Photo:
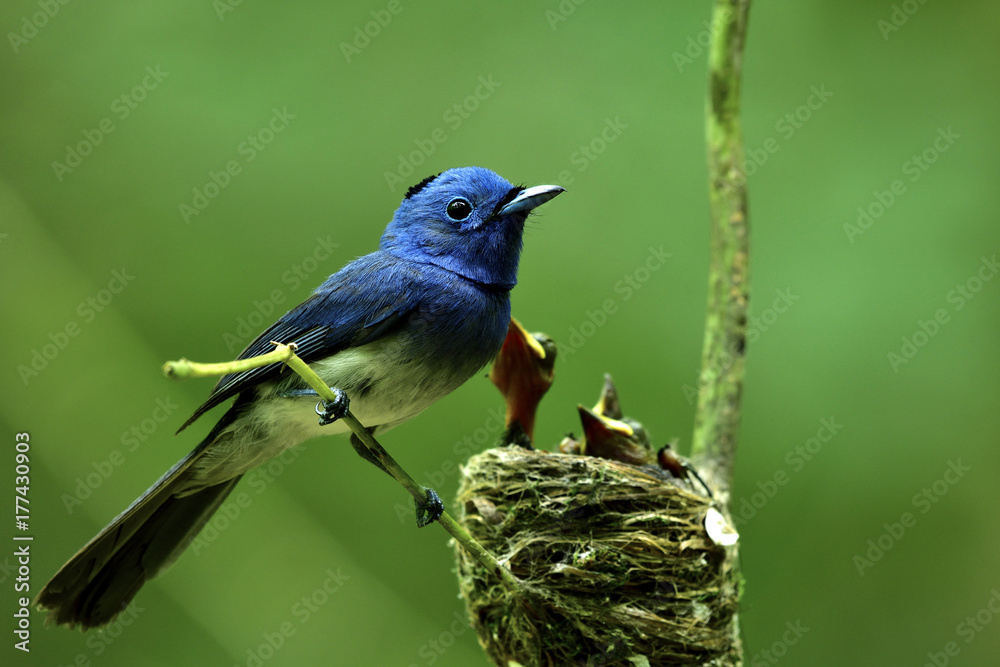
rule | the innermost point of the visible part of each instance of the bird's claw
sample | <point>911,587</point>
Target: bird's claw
<point>694,473</point>
<point>331,411</point>
<point>430,510</point>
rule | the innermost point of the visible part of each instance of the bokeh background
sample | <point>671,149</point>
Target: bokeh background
<point>890,107</point>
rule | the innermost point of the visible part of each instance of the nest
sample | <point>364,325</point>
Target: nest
<point>616,562</point>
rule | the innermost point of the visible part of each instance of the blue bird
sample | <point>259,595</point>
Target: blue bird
<point>394,330</point>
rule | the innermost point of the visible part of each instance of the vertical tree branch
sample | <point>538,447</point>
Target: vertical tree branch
<point>717,418</point>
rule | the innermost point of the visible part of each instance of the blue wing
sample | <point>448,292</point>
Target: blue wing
<point>362,302</point>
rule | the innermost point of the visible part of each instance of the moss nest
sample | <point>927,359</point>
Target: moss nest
<point>616,562</point>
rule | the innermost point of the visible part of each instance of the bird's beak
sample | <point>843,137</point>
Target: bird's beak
<point>530,199</point>
<point>599,424</point>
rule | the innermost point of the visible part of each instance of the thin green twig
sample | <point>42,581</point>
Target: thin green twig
<point>184,369</point>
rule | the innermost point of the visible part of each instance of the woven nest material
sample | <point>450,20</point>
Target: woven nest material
<point>616,562</point>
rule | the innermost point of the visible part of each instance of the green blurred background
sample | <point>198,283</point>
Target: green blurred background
<point>837,106</point>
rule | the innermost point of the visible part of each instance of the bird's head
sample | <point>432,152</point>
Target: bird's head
<point>468,221</point>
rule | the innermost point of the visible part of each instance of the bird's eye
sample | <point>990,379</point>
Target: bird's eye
<point>459,209</point>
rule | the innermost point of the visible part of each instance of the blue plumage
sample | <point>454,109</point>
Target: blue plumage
<point>395,330</point>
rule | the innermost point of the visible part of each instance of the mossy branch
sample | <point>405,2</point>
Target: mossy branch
<point>184,369</point>
<point>717,418</point>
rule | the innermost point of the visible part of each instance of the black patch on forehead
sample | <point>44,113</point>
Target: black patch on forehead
<point>414,189</point>
<point>508,198</point>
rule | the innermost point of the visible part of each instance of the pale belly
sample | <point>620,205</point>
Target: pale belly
<point>385,389</point>
<point>382,395</point>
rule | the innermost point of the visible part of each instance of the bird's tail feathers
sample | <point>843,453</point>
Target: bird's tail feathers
<point>101,579</point>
